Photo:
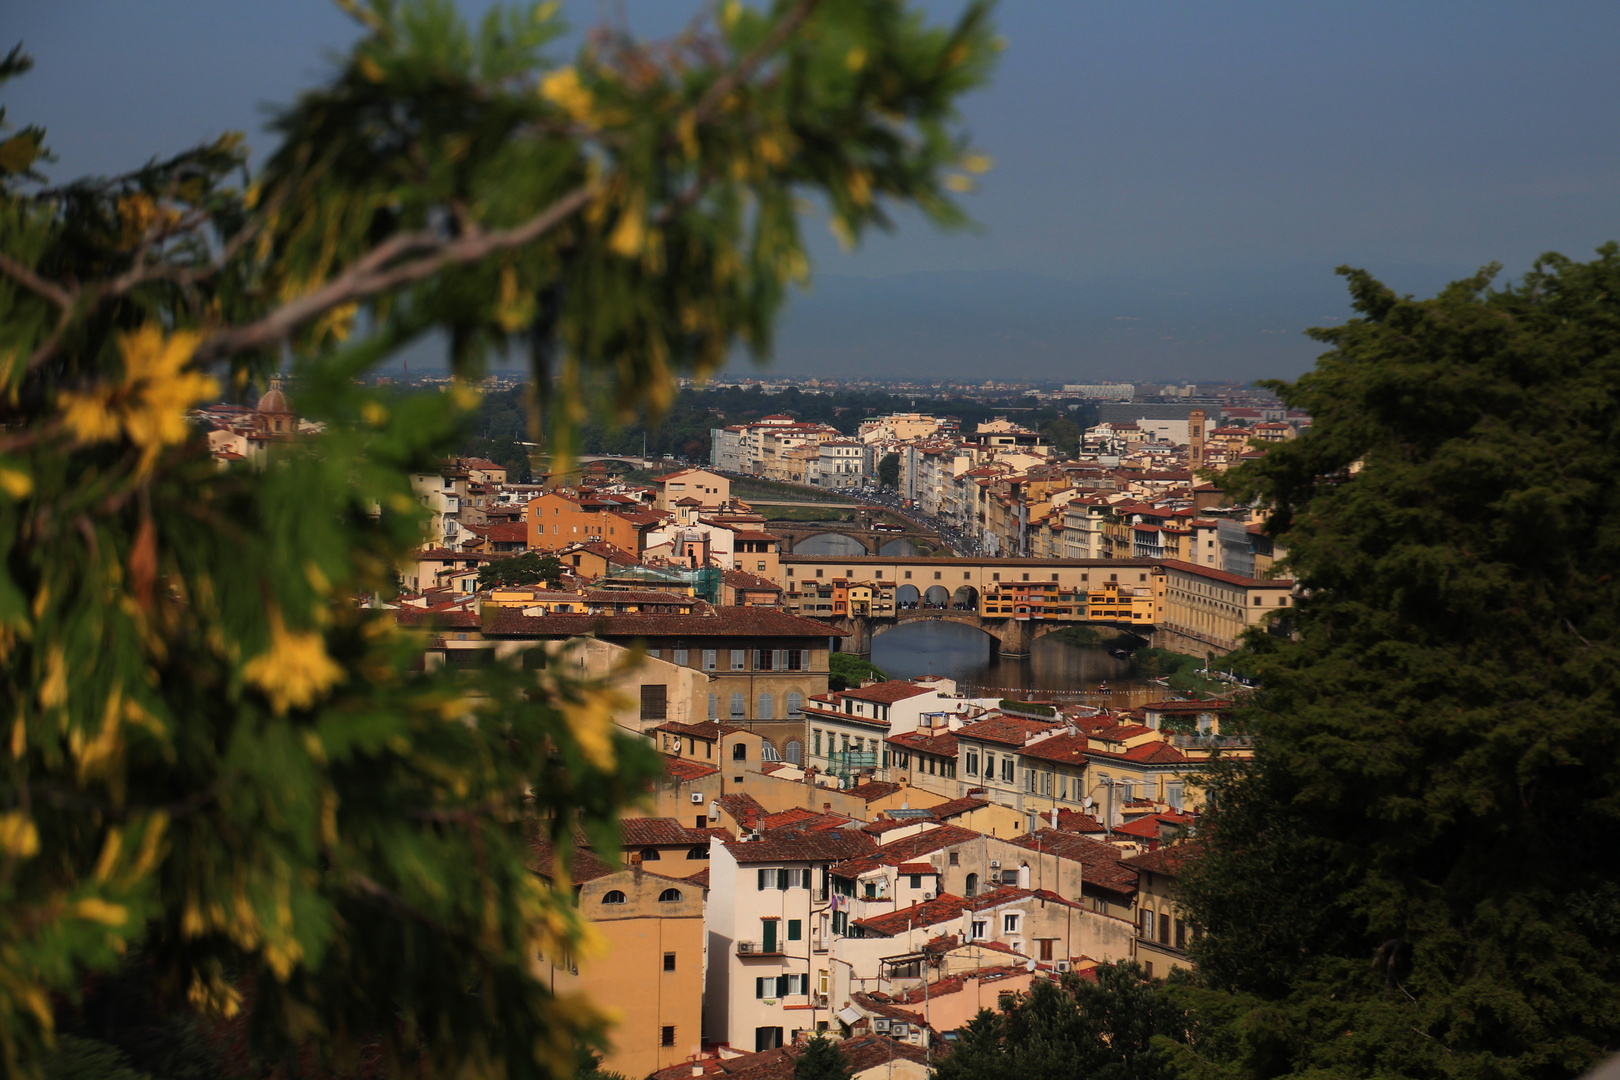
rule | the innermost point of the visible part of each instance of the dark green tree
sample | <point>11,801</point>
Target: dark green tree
<point>1416,876</point>
<point>529,568</point>
<point>821,1060</point>
<point>1073,1029</point>
<point>888,470</point>
<point>847,670</point>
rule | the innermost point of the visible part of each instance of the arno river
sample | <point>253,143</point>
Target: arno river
<point>966,655</point>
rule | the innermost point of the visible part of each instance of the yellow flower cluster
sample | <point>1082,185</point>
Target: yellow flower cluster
<point>295,670</point>
<point>149,406</point>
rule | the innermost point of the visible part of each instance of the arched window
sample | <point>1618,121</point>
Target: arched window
<point>795,705</point>
<point>713,708</point>
<point>738,708</point>
<point>973,885</point>
<point>794,751</point>
<point>669,896</point>
<point>767,707</point>
<point>739,751</point>
<point>614,897</point>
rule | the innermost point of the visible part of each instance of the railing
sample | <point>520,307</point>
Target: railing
<point>759,948</point>
<point>1213,742</point>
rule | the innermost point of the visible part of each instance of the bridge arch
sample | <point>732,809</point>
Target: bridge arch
<point>937,596</point>
<point>838,543</point>
<point>907,596</point>
<point>960,618</point>
<point>965,599</point>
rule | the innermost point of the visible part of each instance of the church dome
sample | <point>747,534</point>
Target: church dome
<point>274,401</point>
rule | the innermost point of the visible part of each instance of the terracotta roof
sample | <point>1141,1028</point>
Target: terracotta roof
<point>1060,749</point>
<point>700,878</point>
<point>740,805</point>
<point>883,825</point>
<point>708,729</point>
<point>1153,826</point>
<point>916,868</point>
<point>943,744</point>
<point>945,907</point>
<point>721,622</point>
<point>1222,575</point>
<point>860,1055</point>
<point>783,846</point>
<point>680,769</point>
<point>1004,729</point>
<point>447,617</point>
<point>872,789</point>
<point>908,848</point>
<point>655,832</point>
<point>887,693</point>
<point>957,806</point>
<point>1149,753</point>
<point>583,866</point>
<point>1100,863</point>
<point>1167,860</point>
<point>742,579</point>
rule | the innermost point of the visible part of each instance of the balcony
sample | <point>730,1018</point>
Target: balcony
<point>760,948</point>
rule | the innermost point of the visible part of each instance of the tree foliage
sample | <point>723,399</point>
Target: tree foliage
<point>888,470</point>
<point>529,568</point>
<point>211,751</point>
<point>1102,1030</point>
<point>1416,877</point>
<point>821,1060</point>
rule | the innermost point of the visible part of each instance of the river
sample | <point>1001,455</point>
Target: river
<point>834,544</point>
<point>967,655</point>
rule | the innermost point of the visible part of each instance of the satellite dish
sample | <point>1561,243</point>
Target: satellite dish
<point>1029,965</point>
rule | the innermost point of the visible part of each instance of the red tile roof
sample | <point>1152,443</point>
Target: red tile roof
<point>784,847</point>
<point>887,693</point>
<point>957,806</point>
<point>1060,749</point>
<point>661,832</point>
<point>721,622</point>
<point>680,769</point>
<point>1167,860</point>
<point>861,1055</point>
<point>1004,729</point>
<point>873,789</point>
<point>1100,863</point>
<point>943,744</point>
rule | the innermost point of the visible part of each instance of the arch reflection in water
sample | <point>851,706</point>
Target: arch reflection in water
<point>969,656</point>
<point>899,547</point>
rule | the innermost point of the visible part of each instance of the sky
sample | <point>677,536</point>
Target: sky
<point>1174,182</point>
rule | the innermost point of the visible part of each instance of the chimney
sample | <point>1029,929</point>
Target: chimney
<point>697,1068</point>
<point>1054,818</point>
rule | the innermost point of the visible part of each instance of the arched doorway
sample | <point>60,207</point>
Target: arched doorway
<point>907,596</point>
<point>937,596</point>
<point>965,599</point>
<point>972,888</point>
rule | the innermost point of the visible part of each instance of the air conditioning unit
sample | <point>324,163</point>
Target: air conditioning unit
<point>1063,965</point>
<point>880,1023</point>
<point>928,896</point>
<point>697,798</point>
<point>995,864</point>
<point>898,1030</point>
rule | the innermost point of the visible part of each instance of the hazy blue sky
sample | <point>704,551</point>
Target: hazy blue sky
<point>1174,182</point>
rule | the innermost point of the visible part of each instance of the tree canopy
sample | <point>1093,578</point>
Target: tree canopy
<point>888,470</point>
<point>529,568</point>
<point>821,1060</point>
<point>213,751</point>
<point>1417,876</point>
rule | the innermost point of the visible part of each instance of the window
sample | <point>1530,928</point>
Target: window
<point>989,766</point>
<point>739,659</point>
<point>1026,577</point>
<point>795,705</point>
<point>1046,948</point>
<point>954,859</point>
<point>980,928</point>
<point>739,707</point>
<point>713,712</point>
<point>1164,928</point>
<point>669,961</point>
<point>916,881</point>
<point>654,701</point>
<point>1181,934</point>
<point>973,890</point>
<point>1009,924</point>
<point>908,575</point>
<point>613,897</point>
<point>763,659</point>
<point>710,660</point>
<point>818,572</point>
<point>1145,927</point>
<point>1007,770</point>
<point>1029,780</point>
<point>669,896</point>
<point>795,930</point>
<point>767,707</point>
<point>680,656</point>
<point>996,576</point>
<point>815,739</point>
<point>739,751</point>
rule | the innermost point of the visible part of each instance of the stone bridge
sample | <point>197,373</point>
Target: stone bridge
<point>1014,637</point>
<point>794,532</point>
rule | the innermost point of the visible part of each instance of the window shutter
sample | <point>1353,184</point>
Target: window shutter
<point>782,986</point>
<point>762,874</point>
<point>759,987</point>
<point>782,880</point>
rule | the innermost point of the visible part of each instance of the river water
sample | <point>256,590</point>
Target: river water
<point>968,656</point>
<point>835,544</point>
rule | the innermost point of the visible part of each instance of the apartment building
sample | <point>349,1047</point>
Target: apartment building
<point>766,925</point>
